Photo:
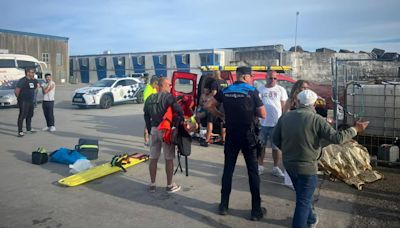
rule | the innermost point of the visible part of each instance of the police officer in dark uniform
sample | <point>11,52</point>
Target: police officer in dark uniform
<point>242,104</point>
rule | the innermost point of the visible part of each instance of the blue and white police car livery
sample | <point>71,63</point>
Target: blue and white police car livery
<point>109,91</point>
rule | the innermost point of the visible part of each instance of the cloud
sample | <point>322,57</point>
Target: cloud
<point>138,26</point>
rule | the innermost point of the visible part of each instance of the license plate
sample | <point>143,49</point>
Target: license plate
<point>78,99</point>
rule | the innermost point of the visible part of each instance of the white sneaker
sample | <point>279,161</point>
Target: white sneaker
<point>52,128</point>
<point>260,169</point>
<point>276,171</point>
<point>45,129</point>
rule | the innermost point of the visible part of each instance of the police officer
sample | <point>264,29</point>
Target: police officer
<point>242,104</point>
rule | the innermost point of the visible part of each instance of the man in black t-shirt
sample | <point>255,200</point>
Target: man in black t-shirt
<point>25,92</point>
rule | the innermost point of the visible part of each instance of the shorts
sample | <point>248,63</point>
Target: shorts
<point>156,144</point>
<point>266,136</point>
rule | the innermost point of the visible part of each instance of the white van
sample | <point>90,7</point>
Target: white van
<point>12,66</point>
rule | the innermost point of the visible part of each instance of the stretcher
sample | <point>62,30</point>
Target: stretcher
<point>102,170</point>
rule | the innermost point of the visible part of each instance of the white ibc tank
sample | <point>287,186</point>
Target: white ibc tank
<point>379,104</point>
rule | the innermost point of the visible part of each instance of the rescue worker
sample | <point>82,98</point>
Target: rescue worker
<point>154,109</point>
<point>298,134</point>
<point>242,105</point>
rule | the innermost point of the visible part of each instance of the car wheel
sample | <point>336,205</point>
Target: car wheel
<point>140,98</point>
<point>105,102</point>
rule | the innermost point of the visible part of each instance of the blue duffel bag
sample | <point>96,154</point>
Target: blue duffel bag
<point>66,156</point>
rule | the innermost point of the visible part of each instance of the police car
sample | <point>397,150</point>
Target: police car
<point>109,91</point>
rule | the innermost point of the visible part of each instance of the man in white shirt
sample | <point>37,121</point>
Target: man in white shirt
<point>274,99</point>
<point>48,102</point>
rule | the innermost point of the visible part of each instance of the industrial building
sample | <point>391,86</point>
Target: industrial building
<point>314,66</point>
<point>53,50</point>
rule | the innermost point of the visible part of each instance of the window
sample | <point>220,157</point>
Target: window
<point>205,59</point>
<point>46,57</point>
<point>121,61</point>
<point>185,58</point>
<point>184,86</point>
<point>287,85</point>
<point>140,60</point>
<point>59,59</point>
<point>7,63</point>
<point>120,83</point>
<point>85,62</point>
<point>130,82</point>
<point>23,64</point>
<point>162,59</point>
<point>102,61</point>
<point>216,59</point>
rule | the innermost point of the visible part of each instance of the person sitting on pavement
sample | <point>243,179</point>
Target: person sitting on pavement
<point>154,110</point>
<point>298,134</point>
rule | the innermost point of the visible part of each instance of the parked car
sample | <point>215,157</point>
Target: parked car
<point>109,91</point>
<point>7,94</point>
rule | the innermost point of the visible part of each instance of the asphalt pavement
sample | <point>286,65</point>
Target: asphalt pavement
<point>31,197</point>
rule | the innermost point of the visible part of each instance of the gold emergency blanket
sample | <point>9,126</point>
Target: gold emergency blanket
<point>349,162</point>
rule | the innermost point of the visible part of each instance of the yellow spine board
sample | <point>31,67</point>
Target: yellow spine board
<point>97,172</point>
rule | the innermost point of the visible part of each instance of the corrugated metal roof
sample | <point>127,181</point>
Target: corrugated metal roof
<point>34,34</point>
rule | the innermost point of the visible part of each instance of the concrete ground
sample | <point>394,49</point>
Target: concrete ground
<point>30,196</point>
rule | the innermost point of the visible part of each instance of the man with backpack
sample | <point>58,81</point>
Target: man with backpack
<point>155,108</point>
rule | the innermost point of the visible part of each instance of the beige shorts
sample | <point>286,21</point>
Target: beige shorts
<point>156,143</point>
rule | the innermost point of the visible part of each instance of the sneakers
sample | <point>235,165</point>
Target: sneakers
<point>20,134</point>
<point>260,169</point>
<point>45,129</point>
<point>31,131</point>
<point>204,143</point>
<point>222,210</point>
<point>276,171</point>
<point>52,128</point>
<point>173,188</point>
<point>259,215</point>
<point>152,188</point>
<point>314,225</point>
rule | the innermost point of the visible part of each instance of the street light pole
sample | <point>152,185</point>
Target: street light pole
<point>295,34</point>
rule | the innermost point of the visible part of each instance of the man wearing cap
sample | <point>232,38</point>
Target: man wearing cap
<point>298,134</point>
<point>242,105</point>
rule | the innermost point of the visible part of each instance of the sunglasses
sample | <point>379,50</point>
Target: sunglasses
<point>273,78</point>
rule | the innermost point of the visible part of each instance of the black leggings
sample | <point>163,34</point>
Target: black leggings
<point>25,112</point>
<point>48,107</point>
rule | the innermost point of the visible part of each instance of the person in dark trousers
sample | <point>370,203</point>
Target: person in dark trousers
<point>155,107</point>
<point>242,105</point>
<point>298,134</point>
<point>48,89</point>
<point>25,93</point>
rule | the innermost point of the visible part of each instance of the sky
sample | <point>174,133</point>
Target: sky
<point>122,26</point>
